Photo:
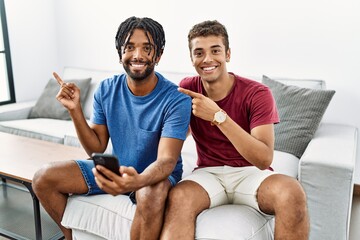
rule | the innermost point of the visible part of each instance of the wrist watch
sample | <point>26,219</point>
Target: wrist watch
<point>219,117</point>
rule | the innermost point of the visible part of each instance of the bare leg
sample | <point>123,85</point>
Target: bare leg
<point>284,197</point>
<point>186,200</point>
<point>148,219</point>
<point>52,184</point>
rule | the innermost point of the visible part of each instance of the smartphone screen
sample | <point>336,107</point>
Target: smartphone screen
<point>107,160</point>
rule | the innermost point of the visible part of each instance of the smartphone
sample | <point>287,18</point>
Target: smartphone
<point>107,160</point>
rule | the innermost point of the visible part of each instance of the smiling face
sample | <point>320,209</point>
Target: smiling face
<point>209,56</point>
<point>138,55</point>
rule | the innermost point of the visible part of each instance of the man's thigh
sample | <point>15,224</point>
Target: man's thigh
<point>208,178</point>
<point>249,181</point>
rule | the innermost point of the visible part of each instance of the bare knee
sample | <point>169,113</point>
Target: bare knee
<point>153,198</point>
<point>43,179</point>
<point>284,197</point>
<point>180,195</point>
<point>280,193</point>
<point>63,177</point>
<point>294,199</point>
<point>293,196</point>
<point>188,197</point>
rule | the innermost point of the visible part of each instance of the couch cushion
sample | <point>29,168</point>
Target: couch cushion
<point>14,111</point>
<point>304,83</point>
<point>234,222</point>
<point>73,140</point>
<point>47,106</point>
<point>300,110</point>
<point>102,215</point>
<point>189,155</point>
<point>46,129</point>
<point>285,163</point>
<point>116,214</point>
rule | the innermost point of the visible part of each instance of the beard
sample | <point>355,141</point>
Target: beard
<point>139,76</point>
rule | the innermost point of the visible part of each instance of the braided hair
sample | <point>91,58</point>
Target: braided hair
<point>150,26</point>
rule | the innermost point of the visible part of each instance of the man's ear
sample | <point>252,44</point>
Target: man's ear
<point>191,58</point>
<point>157,60</point>
<point>228,54</point>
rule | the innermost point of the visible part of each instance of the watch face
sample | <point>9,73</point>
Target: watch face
<point>220,117</point>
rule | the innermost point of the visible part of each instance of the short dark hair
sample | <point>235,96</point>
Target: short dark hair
<point>209,28</point>
<point>149,25</point>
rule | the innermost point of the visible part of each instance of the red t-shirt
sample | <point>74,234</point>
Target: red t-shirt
<point>249,104</point>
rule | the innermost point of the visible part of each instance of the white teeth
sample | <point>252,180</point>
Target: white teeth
<point>137,65</point>
<point>208,68</point>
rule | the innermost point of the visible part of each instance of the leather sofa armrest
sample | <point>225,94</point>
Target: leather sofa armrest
<point>326,172</point>
<point>16,111</point>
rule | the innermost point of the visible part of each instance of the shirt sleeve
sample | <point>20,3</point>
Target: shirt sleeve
<point>98,116</point>
<point>263,108</point>
<point>177,118</point>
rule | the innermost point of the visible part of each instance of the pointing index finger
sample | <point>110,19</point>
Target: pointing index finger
<point>190,93</point>
<point>58,79</point>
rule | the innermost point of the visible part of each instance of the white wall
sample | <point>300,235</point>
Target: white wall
<point>299,39</point>
<point>33,45</point>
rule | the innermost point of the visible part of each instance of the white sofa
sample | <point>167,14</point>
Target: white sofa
<point>325,171</point>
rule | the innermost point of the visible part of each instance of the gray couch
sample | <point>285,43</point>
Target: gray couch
<point>325,170</point>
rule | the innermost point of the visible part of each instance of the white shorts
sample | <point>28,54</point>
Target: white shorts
<point>230,185</point>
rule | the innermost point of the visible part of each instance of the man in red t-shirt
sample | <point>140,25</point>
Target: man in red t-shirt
<point>232,124</point>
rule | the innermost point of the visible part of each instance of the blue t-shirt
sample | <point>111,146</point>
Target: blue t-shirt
<point>136,123</point>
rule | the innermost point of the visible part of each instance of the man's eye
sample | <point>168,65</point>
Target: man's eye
<point>128,48</point>
<point>147,49</point>
<point>198,54</point>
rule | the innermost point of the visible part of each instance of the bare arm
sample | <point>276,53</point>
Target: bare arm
<point>94,138</point>
<point>168,154</point>
<point>256,147</point>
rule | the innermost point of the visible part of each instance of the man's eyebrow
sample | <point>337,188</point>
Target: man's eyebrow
<point>213,46</point>
<point>198,49</point>
<point>128,43</point>
<point>144,44</point>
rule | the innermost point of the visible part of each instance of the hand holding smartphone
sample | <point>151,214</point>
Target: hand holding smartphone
<point>107,160</point>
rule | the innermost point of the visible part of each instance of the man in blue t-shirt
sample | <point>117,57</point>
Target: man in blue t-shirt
<point>146,119</point>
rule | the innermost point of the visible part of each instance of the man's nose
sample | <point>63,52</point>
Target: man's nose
<point>138,53</point>
<point>208,57</point>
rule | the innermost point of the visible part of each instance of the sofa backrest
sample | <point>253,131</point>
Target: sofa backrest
<point>96,77</point>
<point>304,83</point>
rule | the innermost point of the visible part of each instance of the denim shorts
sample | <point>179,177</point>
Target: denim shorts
<point>86,167</point>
